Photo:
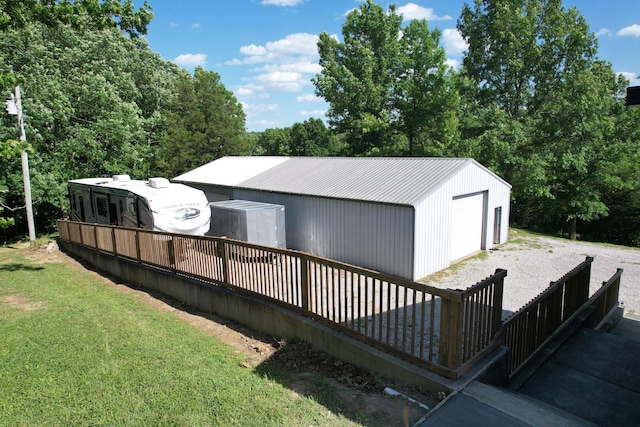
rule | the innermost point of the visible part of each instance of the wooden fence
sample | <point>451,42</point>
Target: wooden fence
<point>446,331</point>
<point>529,329</point>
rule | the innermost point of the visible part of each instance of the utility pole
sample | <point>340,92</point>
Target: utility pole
<point>25,166</point>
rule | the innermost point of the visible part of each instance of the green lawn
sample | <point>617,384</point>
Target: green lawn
<point>75,351</point>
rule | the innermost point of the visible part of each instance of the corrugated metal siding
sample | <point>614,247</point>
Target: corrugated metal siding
<point>371,235</point>
<point>433,217</point>
<point>381,236</point>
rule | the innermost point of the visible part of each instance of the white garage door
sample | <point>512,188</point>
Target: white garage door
<point>466,234</point>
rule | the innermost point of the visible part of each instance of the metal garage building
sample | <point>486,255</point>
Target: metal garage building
<point>408,217</point>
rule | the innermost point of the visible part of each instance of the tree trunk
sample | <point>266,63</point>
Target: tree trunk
<point>572,229</point>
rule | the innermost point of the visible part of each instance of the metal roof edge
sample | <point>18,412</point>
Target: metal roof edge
<point>486,169</point>
<point>445,178</point>
<point>467,161</point>
<point>345,199</point>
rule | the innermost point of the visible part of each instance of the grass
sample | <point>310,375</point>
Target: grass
<point>453,268</point>
<point>78,352</point>
<point>523,237</point>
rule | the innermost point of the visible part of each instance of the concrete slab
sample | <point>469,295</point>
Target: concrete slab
<point>602,355</point>
<point>593,376</point>
<point>462,410</point>
<point>628,327</point>
<point>485,405</point>
<point>523,408</point>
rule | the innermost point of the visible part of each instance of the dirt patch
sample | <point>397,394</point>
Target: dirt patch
<point>45,254</point>
<point>343,388</point>
<point>18,302</point>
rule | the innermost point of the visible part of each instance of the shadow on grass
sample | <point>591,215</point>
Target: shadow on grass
<point>14,266</point>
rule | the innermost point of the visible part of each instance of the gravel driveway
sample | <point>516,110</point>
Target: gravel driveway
<point>532,262</point>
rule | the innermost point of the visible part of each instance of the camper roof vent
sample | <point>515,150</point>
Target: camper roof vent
<point>159,182</point>
<point>121,178</point>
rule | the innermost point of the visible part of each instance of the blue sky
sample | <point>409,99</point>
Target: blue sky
<point>265,50</point>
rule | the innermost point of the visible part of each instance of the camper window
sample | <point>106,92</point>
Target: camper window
<point>132,206</point>
<point>102,206</point>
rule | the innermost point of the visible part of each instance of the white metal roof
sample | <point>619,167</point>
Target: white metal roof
<point>231,171</point>
<point>395,180</point>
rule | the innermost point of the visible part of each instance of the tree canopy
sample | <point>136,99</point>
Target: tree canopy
<point>80,14</point>
<point>310,138</point>
<point>532,101</point>
<point>207,122</point>
<point>98,102</point>
<point>544,110</point>
<point>388,89</point>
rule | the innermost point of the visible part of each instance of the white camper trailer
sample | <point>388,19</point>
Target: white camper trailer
<point>156,204</point>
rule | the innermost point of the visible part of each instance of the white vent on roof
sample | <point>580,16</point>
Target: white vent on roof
<point>121,178</point>
<point>159,182</point>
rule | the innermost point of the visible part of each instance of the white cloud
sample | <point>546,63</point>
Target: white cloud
<point>196,25</point>
<point>252,49</point>
<point>243,91</point>
<point>253,109</point>
<point>413,11</point>
<point>174,24</point>
<point>297,44</point>
<point>282,2</point>
<point>454,63</point>
<point>631,30</point>
<point>308,97</point>
<point>300,47</point>
<point>286,81</point>
<point>191,60</point>
<point>298,67</point>
<point>454,43</point>
<point>251,91</point>
<point>603,32</point>
<point>312,113</point>
<point>287,64</point>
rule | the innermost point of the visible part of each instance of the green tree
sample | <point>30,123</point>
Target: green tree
<point>83,15</point>
<point>309,138</point>
<point>205,122</point>
<point>544,109</point>
<point>92,101</point>
<point>358,77</point>
<point>312,138</point>
<point>274,142</point>
<point>426,96</point>
<point>388,87</point>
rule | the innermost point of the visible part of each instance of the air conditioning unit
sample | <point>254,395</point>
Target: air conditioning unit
<point>121,178</point>
<point>159,182</point>
<point>248,221</point>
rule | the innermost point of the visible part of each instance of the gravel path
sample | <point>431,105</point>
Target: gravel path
<point>533,262</point>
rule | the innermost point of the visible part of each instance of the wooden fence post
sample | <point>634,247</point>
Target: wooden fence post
<point>138,246</point>
<point>305,284</point>
<point>172,254</point>
<point>450,344</point>
<point>113,241</point>
<point>496,304</point>
<point>225,261</point>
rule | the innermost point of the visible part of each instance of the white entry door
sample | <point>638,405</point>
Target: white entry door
<point>467,222</point>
